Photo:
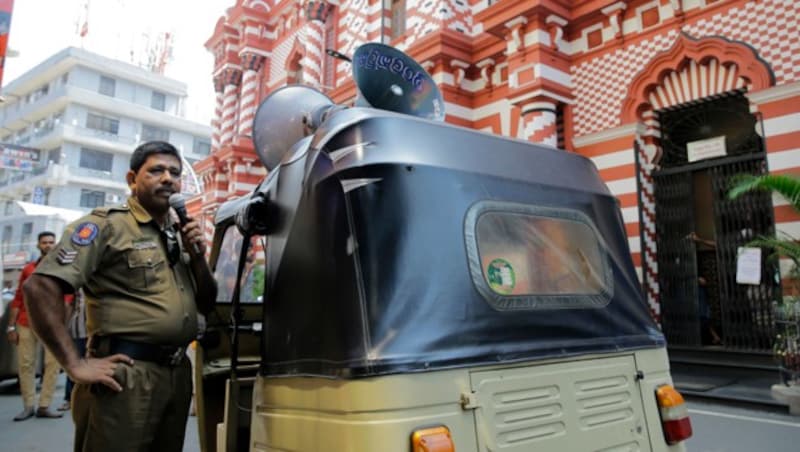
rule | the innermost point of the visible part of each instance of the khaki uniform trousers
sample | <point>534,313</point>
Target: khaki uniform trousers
<point>26,365</point>
<point>149,414</point>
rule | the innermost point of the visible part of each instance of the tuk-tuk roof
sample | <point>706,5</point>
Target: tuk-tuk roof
<point>378,265</point>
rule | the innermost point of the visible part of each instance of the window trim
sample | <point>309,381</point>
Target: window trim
<point>533,301</point>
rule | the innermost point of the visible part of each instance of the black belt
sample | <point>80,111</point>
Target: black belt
<point>160,354</point>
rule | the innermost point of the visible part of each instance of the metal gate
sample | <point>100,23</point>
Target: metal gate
<point>742,312</point>
<point>677,266</point>
<point>746,310</point>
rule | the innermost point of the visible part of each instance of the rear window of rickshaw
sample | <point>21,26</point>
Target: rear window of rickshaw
<point>225,268</point>
<point>537,257</point>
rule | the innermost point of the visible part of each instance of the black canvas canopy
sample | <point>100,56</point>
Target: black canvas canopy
<point>406,245</point>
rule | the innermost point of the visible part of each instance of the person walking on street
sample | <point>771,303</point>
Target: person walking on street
<point>144,277</point>
<point>20,334</point>
<point>76,324</point>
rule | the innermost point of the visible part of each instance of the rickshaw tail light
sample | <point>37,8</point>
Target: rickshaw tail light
<point>435,439</point>
<point>674,415</point>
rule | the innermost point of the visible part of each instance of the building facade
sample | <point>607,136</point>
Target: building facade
<point>670,99</point>
<point>78,116</point>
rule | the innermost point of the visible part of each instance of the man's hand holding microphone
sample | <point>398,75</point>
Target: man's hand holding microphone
<point>190,229</point>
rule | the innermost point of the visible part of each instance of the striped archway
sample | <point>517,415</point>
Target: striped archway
<point>691,70</point>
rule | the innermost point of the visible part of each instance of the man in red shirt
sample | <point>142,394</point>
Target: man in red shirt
<point>20,333</point>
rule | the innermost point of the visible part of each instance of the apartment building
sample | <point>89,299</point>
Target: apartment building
<point>75,119</point>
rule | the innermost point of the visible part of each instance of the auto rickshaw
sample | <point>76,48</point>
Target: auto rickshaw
<point>397,283</point>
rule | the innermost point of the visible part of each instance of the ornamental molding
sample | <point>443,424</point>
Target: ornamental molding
<point>754,70</point>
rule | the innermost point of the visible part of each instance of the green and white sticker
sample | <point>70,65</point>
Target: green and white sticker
<point>501,276</point>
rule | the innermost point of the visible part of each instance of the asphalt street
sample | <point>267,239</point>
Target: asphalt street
<point>50,435</point>
<point>717,427</point>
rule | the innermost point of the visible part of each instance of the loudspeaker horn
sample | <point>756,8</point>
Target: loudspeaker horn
<point>287,115</point>
<point>388,79</point>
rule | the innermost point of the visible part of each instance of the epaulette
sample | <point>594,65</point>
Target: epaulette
<point>105,210</point>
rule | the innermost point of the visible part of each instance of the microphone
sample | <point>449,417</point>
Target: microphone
<point>177,202</point>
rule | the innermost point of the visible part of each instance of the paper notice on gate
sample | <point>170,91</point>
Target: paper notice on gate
<point>748,266</point>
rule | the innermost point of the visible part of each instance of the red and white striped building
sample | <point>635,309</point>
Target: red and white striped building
<point>588,76</point>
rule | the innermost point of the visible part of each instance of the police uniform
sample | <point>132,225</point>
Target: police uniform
<point>140,300</point>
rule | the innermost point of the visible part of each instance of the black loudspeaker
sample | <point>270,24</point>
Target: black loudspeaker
<point>385,78</point>
<point>388,79</point>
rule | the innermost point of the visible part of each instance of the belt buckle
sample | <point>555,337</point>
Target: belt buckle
<point>175,358</point>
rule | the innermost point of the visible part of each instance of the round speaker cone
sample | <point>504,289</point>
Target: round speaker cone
<point>389,79</point>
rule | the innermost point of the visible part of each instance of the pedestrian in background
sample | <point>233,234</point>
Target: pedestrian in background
<point>20,334</point>
<point>76,324</point>
<point>144,278</point>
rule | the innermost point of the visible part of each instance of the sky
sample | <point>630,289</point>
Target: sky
<point>121,29</point>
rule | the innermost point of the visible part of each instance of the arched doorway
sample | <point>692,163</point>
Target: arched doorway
<point>699,230</point>
<point>700,133</point>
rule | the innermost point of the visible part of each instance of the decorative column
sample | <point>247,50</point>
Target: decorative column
<point>232,77</point>
<point>538,123</point>
<point>647,155</point>
<point>216,123</point>
<point>251,64</point>
<point>317,12</point>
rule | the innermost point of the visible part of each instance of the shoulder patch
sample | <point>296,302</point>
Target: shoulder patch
<point>85,233</point>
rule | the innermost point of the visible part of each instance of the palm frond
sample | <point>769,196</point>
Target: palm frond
<point>787,186</point>
<point>785,248</point>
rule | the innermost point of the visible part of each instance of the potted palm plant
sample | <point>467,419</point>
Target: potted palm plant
<point>786,348</point>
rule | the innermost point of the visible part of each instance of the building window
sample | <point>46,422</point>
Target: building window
<point>530,257</point>
<point>6,238</point>
<point>201,147</point>
<point>102,123</point>
<point>54,155</point>
<point>57,117</point>
<point>39,93</point>
<point>92,198</point>
<point>107,86</point>
<point>65,78</point>
<point>27,235</point>
<point>398,23</point>
<point>594,38</point>
<point>158,101</point>
<point>153,133</point>
<point>96,160</point>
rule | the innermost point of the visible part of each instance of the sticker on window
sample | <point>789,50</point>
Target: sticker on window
<point>501,276</point>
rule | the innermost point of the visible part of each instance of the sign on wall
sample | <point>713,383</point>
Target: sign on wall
<point>706,149</point>
<point>18,157</point>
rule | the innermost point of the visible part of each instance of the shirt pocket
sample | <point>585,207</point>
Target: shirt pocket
<point>147,267</point>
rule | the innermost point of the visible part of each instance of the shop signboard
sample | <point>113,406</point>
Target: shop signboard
<point>18,158</point>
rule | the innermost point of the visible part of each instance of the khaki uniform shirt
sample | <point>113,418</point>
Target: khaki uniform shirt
<point>119,256</point>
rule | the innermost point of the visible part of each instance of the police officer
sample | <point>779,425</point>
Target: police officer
<point>144,278</point>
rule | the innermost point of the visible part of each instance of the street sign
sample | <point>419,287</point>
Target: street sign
<point>38,195</point>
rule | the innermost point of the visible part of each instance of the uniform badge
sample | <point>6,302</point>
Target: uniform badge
<point>66,256</point>
<point>85,233</point>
